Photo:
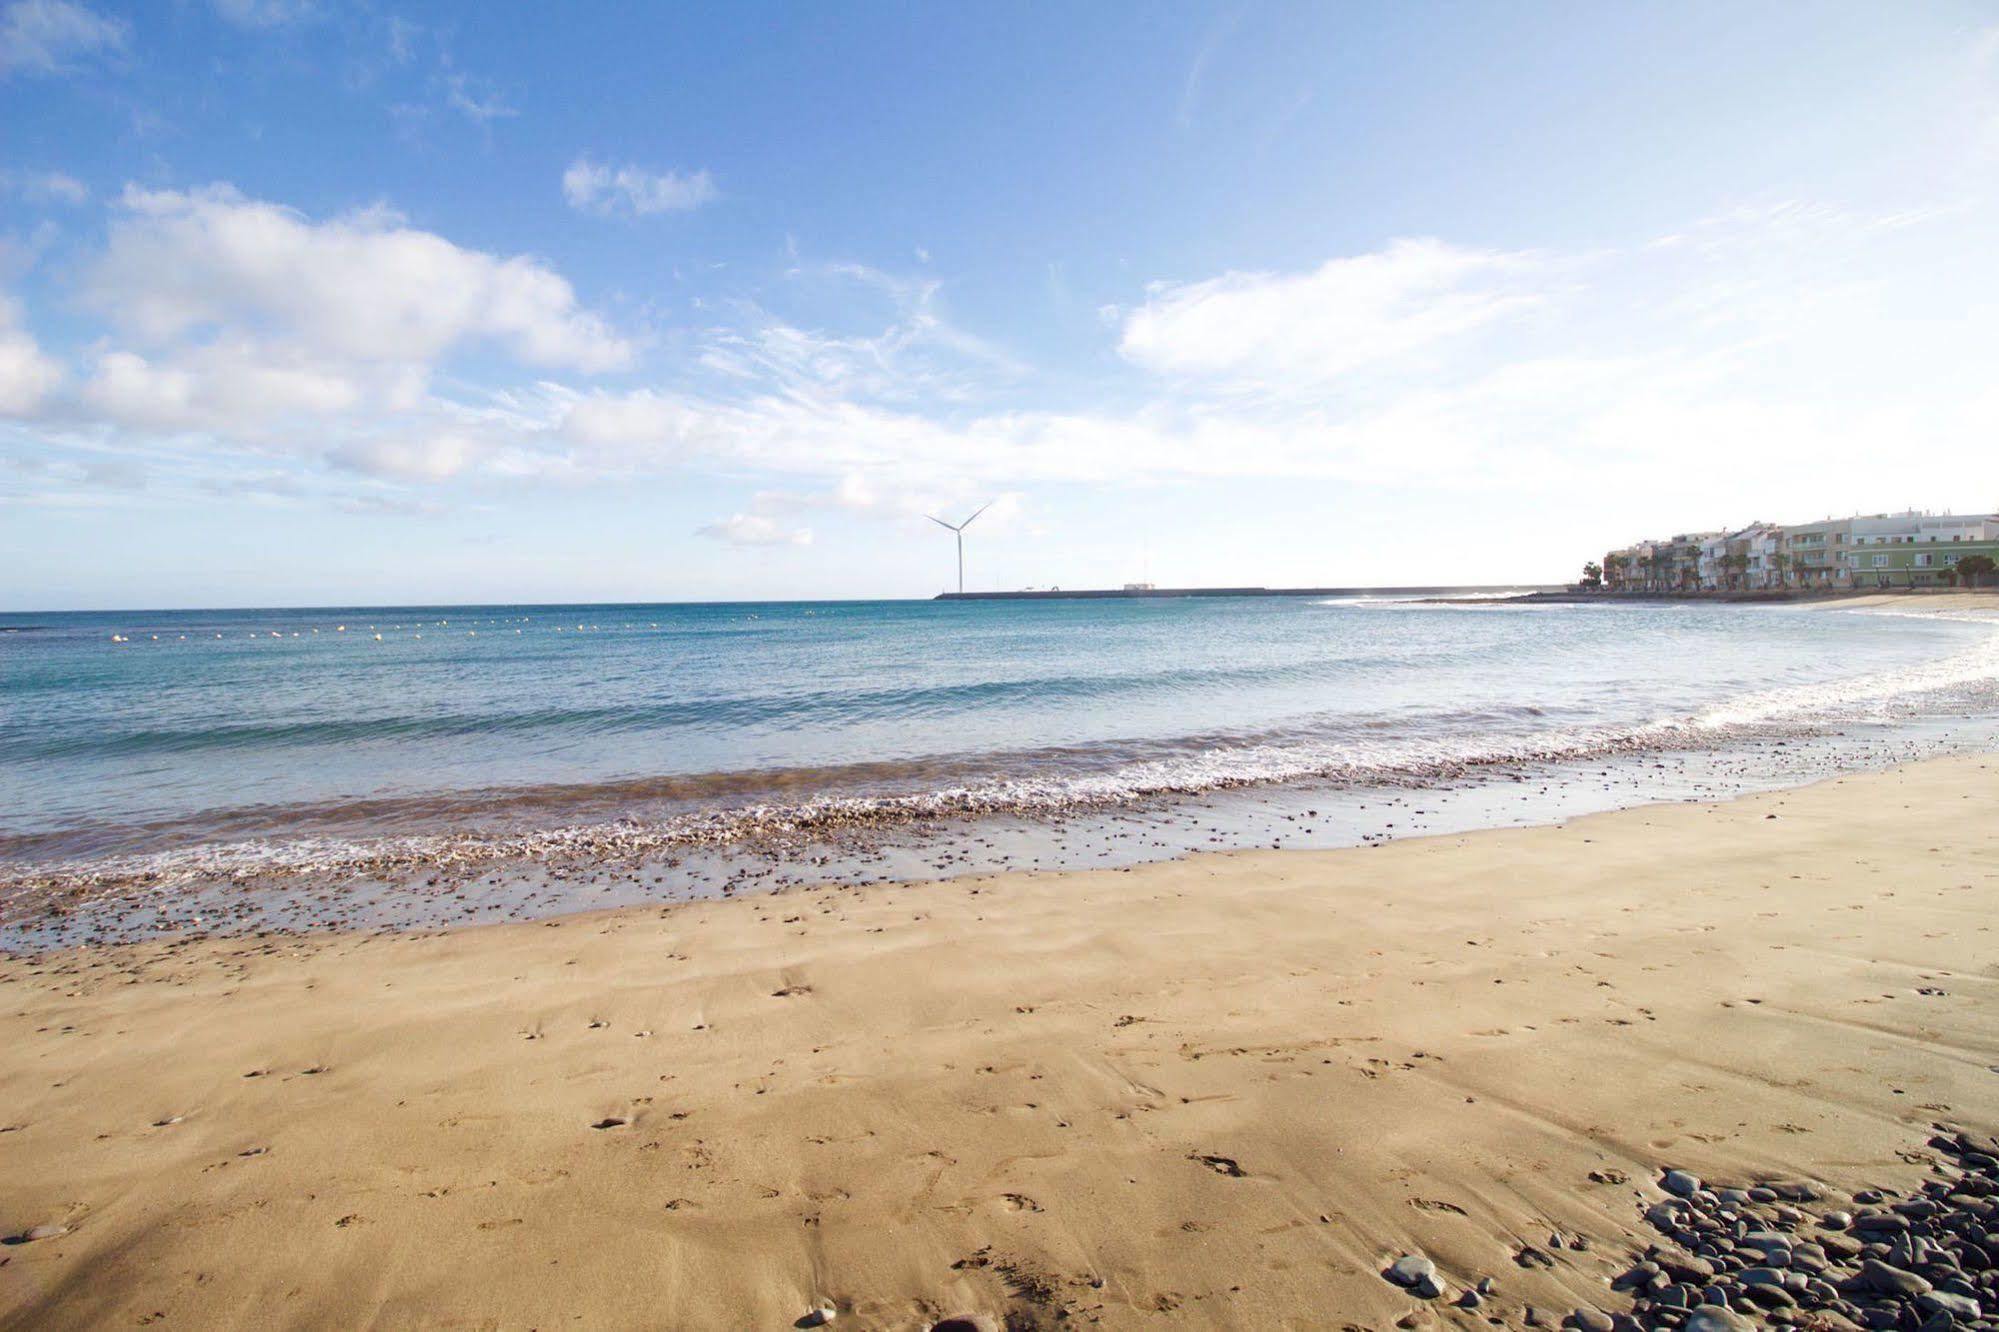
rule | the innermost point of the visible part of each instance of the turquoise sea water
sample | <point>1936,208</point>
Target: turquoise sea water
<point>178,743</point>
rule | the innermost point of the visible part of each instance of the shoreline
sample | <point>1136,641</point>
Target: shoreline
<point>413,854</point>
<point>1828,598</point>
<point>296,869</point>
<point>451,886</point>
<point>1222,1090</point>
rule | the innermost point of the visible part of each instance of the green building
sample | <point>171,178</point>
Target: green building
<point>1913,563</point>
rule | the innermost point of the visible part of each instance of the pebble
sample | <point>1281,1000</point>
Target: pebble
<point>1591,1320</point>
<point>1680,1184</point>
<point>1877,1275</point>
<point>1411,1269</point>
<point>1961,1307</point>
<point>1715,1318</point>
<point>1734,1258</point>
<point>967,1323</point>
<point>818,1317</point>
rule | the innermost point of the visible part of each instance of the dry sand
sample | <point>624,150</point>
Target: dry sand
<point>1218,1092</point>
<point>1969,599</point>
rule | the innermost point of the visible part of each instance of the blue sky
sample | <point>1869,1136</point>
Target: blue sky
<point>304,302</point>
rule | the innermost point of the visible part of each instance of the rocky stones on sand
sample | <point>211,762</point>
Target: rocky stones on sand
<point>1411,1269</point>
<point>819,1316</point>
<point>1665,1215</point>
<point>1587,1319</point>
<point>1961,1307</point>
<point>1879,1223</point>
<point>1741,1257</point>
<point>1877,1276</point>
<point>1680,1183</point>
<point>1684,1267</point>
<point>1638,1278</point>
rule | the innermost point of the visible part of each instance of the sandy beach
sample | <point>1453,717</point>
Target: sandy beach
<point>1222,1091</point>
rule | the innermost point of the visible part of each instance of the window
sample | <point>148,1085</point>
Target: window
<point>1923,560</point>
<point>1879,561</point>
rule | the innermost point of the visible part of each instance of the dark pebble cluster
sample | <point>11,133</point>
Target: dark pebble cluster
<point>1789,1254</point>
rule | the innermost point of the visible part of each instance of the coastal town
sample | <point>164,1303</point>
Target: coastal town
<point>1863,552</point>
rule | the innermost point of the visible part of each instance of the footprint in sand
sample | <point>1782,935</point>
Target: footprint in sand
<point>1019,1202</point>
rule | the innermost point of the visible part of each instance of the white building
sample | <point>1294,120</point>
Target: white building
<point>1763,545</point>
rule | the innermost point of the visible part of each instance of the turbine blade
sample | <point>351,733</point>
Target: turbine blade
<point>981,509</point>
<point>941,523</point>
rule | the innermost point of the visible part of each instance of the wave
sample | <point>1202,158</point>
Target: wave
<point>712,713</point>
<point>1049,782</point>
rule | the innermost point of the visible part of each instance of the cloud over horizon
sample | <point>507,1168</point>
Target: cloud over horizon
<point>321,340</point>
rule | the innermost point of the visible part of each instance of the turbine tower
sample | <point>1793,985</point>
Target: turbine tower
<point>959,532</point>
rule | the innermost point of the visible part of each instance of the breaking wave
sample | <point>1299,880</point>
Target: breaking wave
<point>753,808</point>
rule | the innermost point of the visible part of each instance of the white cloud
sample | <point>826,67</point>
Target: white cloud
<point>230,388</point>
<point>436,457</point>
<point>27,375</point>
<point>592,187</point>
<point>363,287</point>
<point>1769,352</point>
<point>45,186</point>
<point>44,36</point>
<point>750,529</point>
<point>1265,329</point>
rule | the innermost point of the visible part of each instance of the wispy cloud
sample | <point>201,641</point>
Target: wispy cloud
<point>1783,342</point>
<point>45,186</point>
<point>48,36</point>
<point>266,13</point>
<point>750,529</point>
<point>631,191</point>
<point>1263,329</point>
<point>474,100</point>
<point>1197,69</point>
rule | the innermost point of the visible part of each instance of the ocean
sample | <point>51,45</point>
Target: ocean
<point>147,758</point>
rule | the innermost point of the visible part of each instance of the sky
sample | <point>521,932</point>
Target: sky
<point>312,303</point>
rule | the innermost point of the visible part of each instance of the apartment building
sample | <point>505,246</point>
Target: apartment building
<point>1916,550</point>
<point>1883,550</point>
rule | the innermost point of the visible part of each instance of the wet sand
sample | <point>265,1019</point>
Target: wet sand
<point>1220,1091</point>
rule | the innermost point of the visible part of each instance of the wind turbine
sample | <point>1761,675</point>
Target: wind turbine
<point>959,532</point>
